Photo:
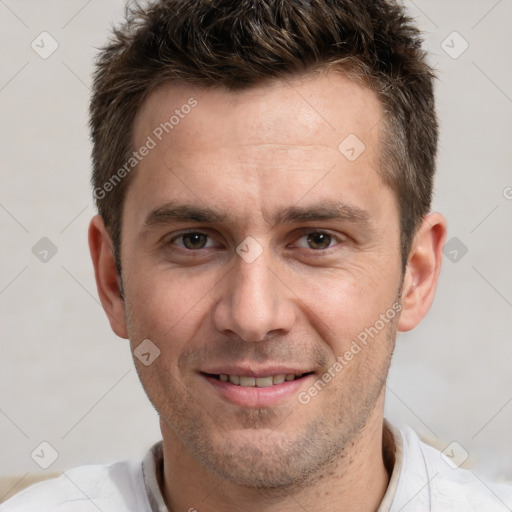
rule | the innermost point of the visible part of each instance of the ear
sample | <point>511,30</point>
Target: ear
<point>107,278</point>
<point>422,272</point>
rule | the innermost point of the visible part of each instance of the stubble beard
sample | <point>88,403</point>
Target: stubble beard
<point>266,457</point>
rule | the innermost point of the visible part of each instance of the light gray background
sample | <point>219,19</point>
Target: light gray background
<point>66,379</point>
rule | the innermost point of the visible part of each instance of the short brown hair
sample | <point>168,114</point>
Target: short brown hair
<point>240,43</point>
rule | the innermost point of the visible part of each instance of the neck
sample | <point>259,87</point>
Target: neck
<point>356,481</point>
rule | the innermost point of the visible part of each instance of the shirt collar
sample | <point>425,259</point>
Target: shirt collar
<point>393,453</point>
<point>152,471</point>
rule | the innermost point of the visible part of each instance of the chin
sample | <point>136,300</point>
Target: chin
<point>249,466</point>
<point>268,460</point>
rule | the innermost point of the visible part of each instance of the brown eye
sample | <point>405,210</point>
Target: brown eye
<point>319,240</point>
<point>194,240</point>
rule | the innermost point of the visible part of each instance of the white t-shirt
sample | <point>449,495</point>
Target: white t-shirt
<point>423,479</point>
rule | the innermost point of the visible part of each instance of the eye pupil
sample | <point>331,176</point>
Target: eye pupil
<point>319,240</point>
<point>194,240</point>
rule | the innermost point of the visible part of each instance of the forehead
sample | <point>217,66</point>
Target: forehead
<point>296,111</point>
<point>274,143</point>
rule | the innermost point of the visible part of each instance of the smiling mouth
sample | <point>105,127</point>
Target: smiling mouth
<point>258,382</point>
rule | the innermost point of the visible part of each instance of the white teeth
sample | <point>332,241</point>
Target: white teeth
<point>260,382</point>
<point>264,382</point>
<point>279,379</point>
<point>247,382</point>
<point>234,379</point>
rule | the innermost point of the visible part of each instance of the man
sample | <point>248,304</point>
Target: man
<point>263,172</point>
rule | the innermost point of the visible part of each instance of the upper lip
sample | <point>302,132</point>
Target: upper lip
<point>253,371</point>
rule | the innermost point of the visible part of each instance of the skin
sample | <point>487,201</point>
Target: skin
<point>301,303</point>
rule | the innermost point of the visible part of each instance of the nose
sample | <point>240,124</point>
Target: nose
<point>254,302</point>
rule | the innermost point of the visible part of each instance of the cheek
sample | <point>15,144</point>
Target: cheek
<point>166,307</point>
<point>341,305</point>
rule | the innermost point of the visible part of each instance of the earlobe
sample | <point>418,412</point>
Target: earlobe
<point>422,272</point>
<point>107,279</point>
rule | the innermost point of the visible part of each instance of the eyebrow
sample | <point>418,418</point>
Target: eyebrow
<point>324,210</point>
<point>178,212</point>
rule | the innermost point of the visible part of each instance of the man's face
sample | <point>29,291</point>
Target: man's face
<point>322,264</point>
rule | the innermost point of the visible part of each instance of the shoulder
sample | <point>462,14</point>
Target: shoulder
<point>441,485</point>
<point>117,487</point>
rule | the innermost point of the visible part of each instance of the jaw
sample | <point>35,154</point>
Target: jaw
<point>343,473</point>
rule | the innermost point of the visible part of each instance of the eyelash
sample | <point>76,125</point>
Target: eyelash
<point>303,234</point>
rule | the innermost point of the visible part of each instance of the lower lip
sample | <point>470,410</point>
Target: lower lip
<point>254,396</point>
